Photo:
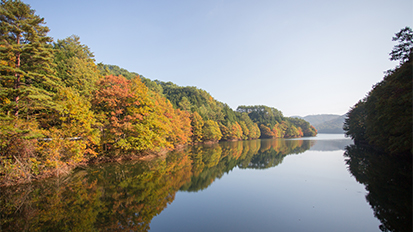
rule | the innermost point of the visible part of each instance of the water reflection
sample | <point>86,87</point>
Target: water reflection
<point>127,196</point>
<point>111,197</point>
<point>388,179</point>
<point>330,145</point>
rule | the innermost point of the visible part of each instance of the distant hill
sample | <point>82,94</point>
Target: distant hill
<point>326,123</point>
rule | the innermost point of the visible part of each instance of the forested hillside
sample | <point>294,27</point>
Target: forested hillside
<point>60,109</point>
<point>384,118</point>
<point>247,122</point>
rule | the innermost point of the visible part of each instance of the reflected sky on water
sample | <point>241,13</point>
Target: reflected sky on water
<point>258,185</point>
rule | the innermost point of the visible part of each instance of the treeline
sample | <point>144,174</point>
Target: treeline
<point>59,109</point>
<point>383,119</point>
<point>247,122</point>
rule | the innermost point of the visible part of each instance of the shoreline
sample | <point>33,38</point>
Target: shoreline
<point>143,156</point>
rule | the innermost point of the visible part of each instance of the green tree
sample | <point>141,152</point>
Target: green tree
<point>384,118</point>
<point>252,128</point>
<point>404,50</point>
<point>292,131</point>
<point>27,82</point>
<point>355,122</point>
<point>27,87</point>
<point>75,65</point>
<point>255,132</point>
<point>184,104</point>
<point>211,131</point>
<point>262,114</point>
<point>107,69</point>
<point>197,124</point>
<point>245,130</point>
<point>389,112</point>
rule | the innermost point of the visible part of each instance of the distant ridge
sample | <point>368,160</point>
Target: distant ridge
<point>326,123</point>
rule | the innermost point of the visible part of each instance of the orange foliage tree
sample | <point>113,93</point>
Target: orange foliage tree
<point>133,118</point>
<point>126,115</point>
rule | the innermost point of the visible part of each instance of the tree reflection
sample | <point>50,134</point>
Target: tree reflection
<point>111,197</point>
<point>388,179</point>
<point>70,204</point>
<point>273,151</point>
<point>127,196</point>
<point>256,154</point>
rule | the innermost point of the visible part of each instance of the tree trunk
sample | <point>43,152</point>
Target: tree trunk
<point>17,80</point>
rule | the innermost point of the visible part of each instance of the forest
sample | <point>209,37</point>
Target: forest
<point>59,109</point>
<point>383,119</point>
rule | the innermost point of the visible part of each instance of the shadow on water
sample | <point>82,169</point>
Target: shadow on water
<point>388,180</point>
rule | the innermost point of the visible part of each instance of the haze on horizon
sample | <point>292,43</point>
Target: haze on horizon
<point>301,57</point>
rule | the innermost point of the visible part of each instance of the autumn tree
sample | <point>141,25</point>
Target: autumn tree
<point>71,138</point>
<point>225,131</point>
<point>176,122</point>
<point>292,131</point>
<point>181,127</point>
<point>245,130</point>
<point>266,131</point>
<point>211,131</point>
<point>234,131</point>
<point>255,132</point>
<point>277,131</point>
<point>252,131</point>
<point>194,99</point>
<point>114,102</point>
<point>135,119</point>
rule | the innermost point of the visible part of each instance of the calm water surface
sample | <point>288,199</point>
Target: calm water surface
<point>260,185</point>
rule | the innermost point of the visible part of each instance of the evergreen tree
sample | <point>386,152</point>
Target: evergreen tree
<point>27,87</point>
<point>27,80</point>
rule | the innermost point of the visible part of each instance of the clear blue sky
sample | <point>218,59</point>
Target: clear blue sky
<point>301,57</point>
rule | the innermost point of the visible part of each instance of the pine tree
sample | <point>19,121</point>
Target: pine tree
<point>27,87</point>
<point>27,80</point>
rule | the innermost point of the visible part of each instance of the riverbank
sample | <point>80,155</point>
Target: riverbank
<point>67,168</point>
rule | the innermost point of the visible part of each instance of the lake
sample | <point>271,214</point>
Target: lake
<point>260,185</point>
